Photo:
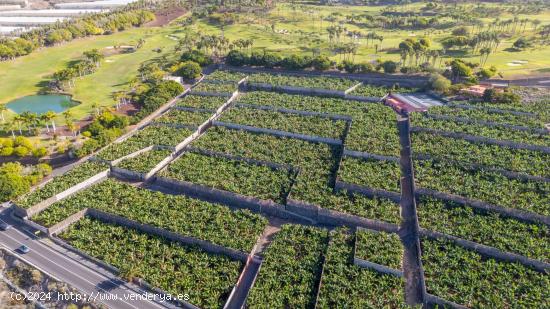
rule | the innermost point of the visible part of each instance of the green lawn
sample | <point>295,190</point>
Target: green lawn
<point>26,75</point>
<point>305,32</point>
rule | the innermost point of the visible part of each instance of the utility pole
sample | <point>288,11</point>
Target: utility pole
<point>415,288</point>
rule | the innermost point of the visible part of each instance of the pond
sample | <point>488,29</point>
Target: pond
<point>40,104</point>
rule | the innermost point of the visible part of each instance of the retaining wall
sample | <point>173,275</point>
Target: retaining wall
<point>379,268</point>
<point>152,230</point>
<point>350,89</point>
<point>493,110</point>
<point>488,251</point>
<point>124,174</point>
<point>230,199</point>
<point>507,212</point>
<point>483,140</point>
<point>486,123</point>
<point>308,138</point>
<point>61,226</point>
<point>366,155</point>
<point>369,192</point>
<point>436,302</point>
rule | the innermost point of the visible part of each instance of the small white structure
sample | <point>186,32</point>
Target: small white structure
<point>177,79</point>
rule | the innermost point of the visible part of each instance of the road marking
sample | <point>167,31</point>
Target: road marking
<point>91,283</point>
<point>544,82</point>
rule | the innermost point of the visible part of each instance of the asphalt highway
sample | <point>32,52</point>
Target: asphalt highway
<point>88,278</point>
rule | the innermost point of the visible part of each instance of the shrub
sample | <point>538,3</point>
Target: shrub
<point>389,66</point>
<point>439,83</point>
<point>23,141</point>
<point>6,142</point>
<point>237,58</point>
<point>40,152</point>
<point>20,151</point>
<point>196,56</point>
<point>295,62</point>
<point>6,151</point>
<point>189,70</point>
<point>321,63</point>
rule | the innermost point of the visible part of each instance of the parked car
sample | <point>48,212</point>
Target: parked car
<point>24,249</point>
<point>4,226</point>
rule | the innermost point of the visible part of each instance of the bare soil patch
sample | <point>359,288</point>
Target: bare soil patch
<point>165,16</point>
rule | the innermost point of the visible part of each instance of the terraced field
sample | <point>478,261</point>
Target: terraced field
<point>325,211</point>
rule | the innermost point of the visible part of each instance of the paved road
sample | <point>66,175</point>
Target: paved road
<point>84,277</point>
<point>540,81</point>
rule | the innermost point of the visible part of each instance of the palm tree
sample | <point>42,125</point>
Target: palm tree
<point>3,108</point>
<point>94,56</point>
<point>18,120</point>
<point>95,107</point>
<point>10,126</point>
<point>47,117</point>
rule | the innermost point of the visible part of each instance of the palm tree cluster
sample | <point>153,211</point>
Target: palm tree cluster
<point>65,77</point>
<point>418,51</point>
<point>29,121</point>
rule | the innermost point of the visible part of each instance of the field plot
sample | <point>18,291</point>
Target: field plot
<point>309,125</point>
<point>375,132</point>
<point>452,178</point>
<point>62,183</point>
<point>320,82</point>
<point>486,114</point>
<point>530,162</point>
<point>291,269</point>
<point>213,87</point>
<point>204,102</point>
<point>185,117</point>
<point>379,247</point>
<point>170,266</point>
<point>463,276</point>
<point>151,135</point>
<point>144,162</point>
<point>346,285</point>
<point>231,175</point>
<point>257,151</point>
<point>179,214</point>
<point>374,174</point>
<point>499,132</point>
<point>225,76</point>
<point>488,228</point>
